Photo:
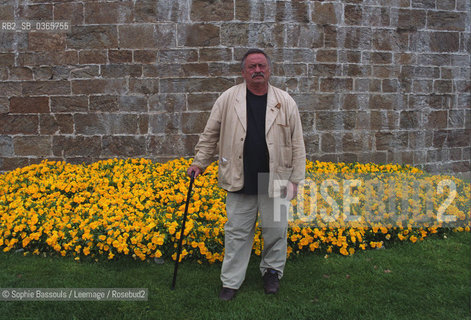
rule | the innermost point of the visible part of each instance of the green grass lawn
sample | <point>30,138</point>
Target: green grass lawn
<point>426,280</point>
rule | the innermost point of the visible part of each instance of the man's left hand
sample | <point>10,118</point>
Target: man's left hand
<point>291,191</point>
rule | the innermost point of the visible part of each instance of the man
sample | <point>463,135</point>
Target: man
<point>259,131</point>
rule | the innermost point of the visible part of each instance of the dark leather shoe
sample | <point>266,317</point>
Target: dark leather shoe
<point>271,282</point>
<point>227,294</point>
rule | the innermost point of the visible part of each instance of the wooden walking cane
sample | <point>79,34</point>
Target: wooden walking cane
<point>180,242</point>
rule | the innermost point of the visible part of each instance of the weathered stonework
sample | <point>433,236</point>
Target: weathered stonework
<point>380,81</point>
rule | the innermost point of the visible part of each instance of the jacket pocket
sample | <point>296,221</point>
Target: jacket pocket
<point>284,134</point>
<point>223,174</point>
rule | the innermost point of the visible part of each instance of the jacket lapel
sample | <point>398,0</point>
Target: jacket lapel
<point>273,107</point>
<point>241,106</point>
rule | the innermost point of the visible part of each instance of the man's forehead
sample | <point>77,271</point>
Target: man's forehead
<point>256,58</point>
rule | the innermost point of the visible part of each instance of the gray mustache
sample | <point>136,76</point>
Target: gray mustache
<point>258,74</point>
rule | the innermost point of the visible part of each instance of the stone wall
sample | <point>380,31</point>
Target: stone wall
<point>375,80</point>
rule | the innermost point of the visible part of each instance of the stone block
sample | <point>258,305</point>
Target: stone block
<point>45,87</point>
<point>357,70</point>
<point>132,104</point>
<point>325,70</point>
<point>46,41</point>
<point>383,120</point>
<point>329,120</point>
<point>194,122</point>
<point>422,86</point>
<point>201,101</point>
<point>176,11</point>
<point>436,41</point>
<point>4,105</point>
<point>308,121</point>
<point>76,146</point>
<point>121,71</point>
<point>10,88</point>
<point>436,120</point>
<point>104,103</point>
<point>29,104</point>
<point>124,146</point>
<point>144,86</point>
<point>328,143</point>
<point>216,69</point>
<point>72,12</point>
<point>32,145</point>
<point>178,56</point>
<point>215,54</point>
<point>93,57</point>
<point>355,142</point>
<point>446,20</point>
<point>85,72</point>
<point>93,37</point>
<point>305,35</point>
<point>409,19</point>
<point>311,142</point>
<point>381,58</point>
<point>195,69</point>
<point>69,104</point>
<point>252,35</point>
<point>198,35</point>
<point>68,57</point>
<point>7,164</point>
<point>106,124</point>
<point>168,123</point>
<point>167,102</point>
<point>35,12</point>
<point>120,56</point>
<point>289,70</point>
<point>7,12</point>
<point>21,73</point>
<point>326,55</point>
<point>325,13</point>
<point>97,86</point>
<point>409,120</point>
<point>7,59</point>
<point>355,38</point>
<point>191,85</point>
<point>247,10</point>
<point>50,124</point>
<point>384,140</point>
<point>145,56</point>
<point>145,11</point>
<point>456,118</point>
<point>292,11</point>
<point>214,10</point>
<point>427,4</point>
<point>165,145</point>
<point>147,36</point>
<point>443,86</point>
<point>108,12</point>
<point>353,15</point>
<point>374,157</point>
<point>336,84</point>
<point>6,146</point>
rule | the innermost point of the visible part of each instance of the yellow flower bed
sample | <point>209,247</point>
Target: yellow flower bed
<point>134,208</point>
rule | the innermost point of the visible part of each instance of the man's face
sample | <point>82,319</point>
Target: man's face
<point>256,70</point>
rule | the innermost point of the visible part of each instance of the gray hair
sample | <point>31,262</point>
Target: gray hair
<point>252,51</point>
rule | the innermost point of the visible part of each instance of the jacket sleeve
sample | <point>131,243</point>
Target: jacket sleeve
<point>208,141</point>
<point>298,149</point>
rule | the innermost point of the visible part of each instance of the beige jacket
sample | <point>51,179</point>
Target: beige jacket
<point>227,125</point>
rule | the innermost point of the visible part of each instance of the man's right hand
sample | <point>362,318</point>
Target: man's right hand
<point>194,169</point>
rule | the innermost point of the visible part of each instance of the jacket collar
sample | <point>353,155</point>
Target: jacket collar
<point>273,106</point>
